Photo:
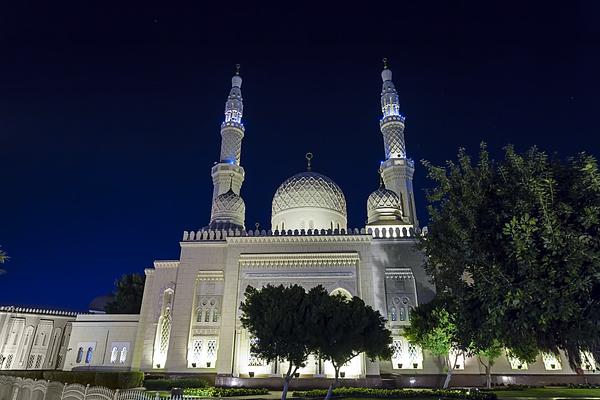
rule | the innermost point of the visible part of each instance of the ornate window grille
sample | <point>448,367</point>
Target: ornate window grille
<point>30,361</point>
<point>253,359</point>
<point>38,362</point>
<point>397,357</point>
<point>588,363</point>
<point>515,363</point>
<point>197,351</point>
<point>415,356</point>
<point>9,361</point>
<point>211,350</point>
<point>551,362</point>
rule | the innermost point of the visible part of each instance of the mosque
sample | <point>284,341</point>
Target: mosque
<point>189,319</point>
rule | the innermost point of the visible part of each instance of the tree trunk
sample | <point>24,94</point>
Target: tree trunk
<point>448,377</point>
<point>488,376</point>
<point>286,385</point>
<point>334,384</point>
<point>286,381</point>
<point>450,370</point>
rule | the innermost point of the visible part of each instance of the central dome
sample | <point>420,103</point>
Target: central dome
<point>308,200</point>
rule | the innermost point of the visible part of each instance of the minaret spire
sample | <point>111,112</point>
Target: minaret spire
<point>397,169</point>
<point>228,174</point>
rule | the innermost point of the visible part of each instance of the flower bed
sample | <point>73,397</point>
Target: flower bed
<point>398,393</point>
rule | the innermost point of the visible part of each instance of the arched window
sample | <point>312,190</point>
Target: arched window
<point>402,313</point>
<point>283,226</point>
<point>113,354</point>
<point>199,317</point>
<point>123,355</point>
<point>215,315</point>
<point>88,355</point>
<point>393,315</point>
<point>79,355</point>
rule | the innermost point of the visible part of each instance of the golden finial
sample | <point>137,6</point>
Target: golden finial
<point>385,63</point>
<point>309,156</point>
<point>237,69</point>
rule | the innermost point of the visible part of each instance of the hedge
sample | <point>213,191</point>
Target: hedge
<point>168,384</point>
<point>112,380</point>
<point>398,393</point>
<point>224,392</point>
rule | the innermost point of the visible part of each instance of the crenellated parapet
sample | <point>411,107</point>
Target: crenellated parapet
<point>26,310</point>
<point>406,232</point>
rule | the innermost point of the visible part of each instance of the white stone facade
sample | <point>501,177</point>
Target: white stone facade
<point>102,341</point>
<point>33,339</point>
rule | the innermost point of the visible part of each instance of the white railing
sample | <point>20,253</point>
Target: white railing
<point>15,388</point>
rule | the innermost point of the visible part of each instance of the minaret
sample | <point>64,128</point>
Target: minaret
<point>228,174</point>
<point>397,169</point>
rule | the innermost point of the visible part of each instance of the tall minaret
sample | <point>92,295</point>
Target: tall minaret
<point>228,174</point>
<point>232,132</point>
<point>397,169</point>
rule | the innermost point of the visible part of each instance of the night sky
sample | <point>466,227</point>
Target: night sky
<point>110,115</point>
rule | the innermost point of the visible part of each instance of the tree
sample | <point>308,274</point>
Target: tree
<point>490,354</point>
<point>515,244</point>
<point>433,328</point>
<point>129,291</point>
<point>3,258</point>
<point>278,318</point>
<point>347,327</point>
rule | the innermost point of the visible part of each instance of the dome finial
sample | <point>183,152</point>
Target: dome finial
<point>237,69</point>
<point>381,183</point>
<point>385,63</point>
<point>309,157</point>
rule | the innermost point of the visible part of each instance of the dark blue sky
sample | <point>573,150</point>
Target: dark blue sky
<point>109,115</point>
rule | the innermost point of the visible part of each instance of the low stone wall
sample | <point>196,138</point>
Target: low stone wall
<point>407,381</point>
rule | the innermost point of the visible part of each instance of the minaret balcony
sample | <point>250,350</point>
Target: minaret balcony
<point>392,118</point>
<point>232,124</point>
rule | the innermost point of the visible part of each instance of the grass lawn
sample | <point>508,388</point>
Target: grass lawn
<point>549,392</point>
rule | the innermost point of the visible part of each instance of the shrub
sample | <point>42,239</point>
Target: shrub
<point>224,392</point>
<point>399,393</point>
<point>168,384</point>
<point>130,379</point>
<point>110,379</point>
<point>24,374</point>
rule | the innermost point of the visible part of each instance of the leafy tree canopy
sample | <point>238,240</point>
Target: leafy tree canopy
<point>514,244</point>
<point>347,327</point>
<point>129,290</point>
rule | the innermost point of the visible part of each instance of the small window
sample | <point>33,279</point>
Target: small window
<point>123,355</point>
<point>79,355</point>
<point>88,355</point>
<point>393,315</point>
<point>215,315</point>
<point>113,355</point>
<point>402,313</point>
